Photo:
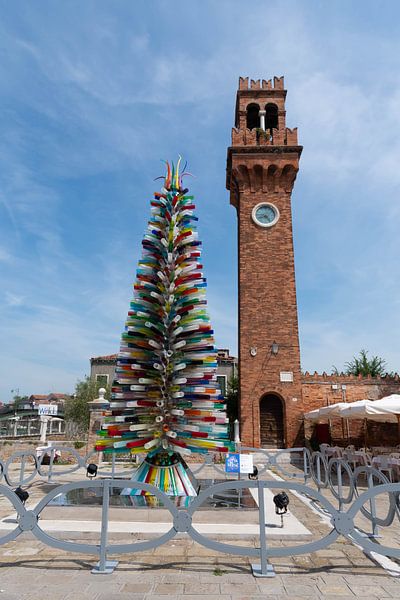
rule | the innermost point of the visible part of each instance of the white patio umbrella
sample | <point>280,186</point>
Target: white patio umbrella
<point>325,412</point>
<point>332,410</point>
<point>368,410</point>
<point>312,415</point>
<point>391,404</point>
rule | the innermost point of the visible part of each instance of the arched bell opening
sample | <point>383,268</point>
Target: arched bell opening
<point>271,116</point>
<point>272,422</point>
<point>252,116</point>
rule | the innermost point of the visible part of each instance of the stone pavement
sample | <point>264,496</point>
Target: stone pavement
<point>183,570</point>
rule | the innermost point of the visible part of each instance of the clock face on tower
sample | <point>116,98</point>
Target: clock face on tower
<point>265,214</point>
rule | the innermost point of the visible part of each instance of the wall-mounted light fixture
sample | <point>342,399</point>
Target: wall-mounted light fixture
<point>253,351</point>
<point>274,348</point>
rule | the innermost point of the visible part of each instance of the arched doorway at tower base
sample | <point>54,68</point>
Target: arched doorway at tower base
<point>271,422</point>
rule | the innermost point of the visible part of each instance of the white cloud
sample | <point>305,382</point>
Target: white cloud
<point>5,256</point>
<point>13,299</point>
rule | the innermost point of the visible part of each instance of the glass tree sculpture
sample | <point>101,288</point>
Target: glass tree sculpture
<point>165,397</point>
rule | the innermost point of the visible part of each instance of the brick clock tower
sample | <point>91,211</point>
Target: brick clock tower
<point>262,165</point>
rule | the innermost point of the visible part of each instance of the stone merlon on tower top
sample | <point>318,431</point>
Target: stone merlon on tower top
<point>260,117</point>
<point>261,84</point>
<point>260,126</point>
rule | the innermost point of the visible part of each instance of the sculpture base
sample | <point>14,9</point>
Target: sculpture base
<point>167,471</point>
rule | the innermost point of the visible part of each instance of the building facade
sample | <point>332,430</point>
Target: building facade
<point>262,165</point>
<point>23,419</point>
<point>102,369</point>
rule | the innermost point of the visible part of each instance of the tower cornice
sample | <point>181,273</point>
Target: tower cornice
<point>261,93</point>
<point>244,158</point>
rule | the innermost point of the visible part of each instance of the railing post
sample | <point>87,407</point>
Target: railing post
<point>340,486</point>
<point>113,465</point>
<point>318,473</point>
<point>22,470</point>
<point>104,566</point>
<point>375,531</point>
<point>236,437</point>
<point>305,465</point>
<point>264,569</point>
<point>51,461</point>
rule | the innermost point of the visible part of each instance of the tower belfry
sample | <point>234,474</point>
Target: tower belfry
<point>262,165</point>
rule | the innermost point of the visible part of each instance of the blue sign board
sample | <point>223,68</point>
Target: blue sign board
<point>232,463</point>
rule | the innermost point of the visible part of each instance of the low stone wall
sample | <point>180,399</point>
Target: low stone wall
<point>8,446</point>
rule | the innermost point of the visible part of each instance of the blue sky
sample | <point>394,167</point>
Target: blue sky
<point>95,93</point>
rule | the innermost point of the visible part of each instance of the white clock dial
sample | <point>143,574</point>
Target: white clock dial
<point>265,214</point>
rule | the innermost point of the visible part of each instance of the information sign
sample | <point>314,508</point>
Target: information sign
<point>48,409</point>
<point>232,463</point>
<point>238,463</point>
<point>246,463</point>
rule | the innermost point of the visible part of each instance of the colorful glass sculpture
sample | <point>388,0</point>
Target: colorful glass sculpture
<point>165,397</point>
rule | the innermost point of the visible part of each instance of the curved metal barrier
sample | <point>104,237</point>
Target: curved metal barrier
<point>51,471</point>
<point>318,463</point>
<point>23,479</point>
<point>272,461</point>
<point>337,467</point>
<point>370,473</point>
<point>209,461</point>
<point>326,474</point>
<point>182,522</point>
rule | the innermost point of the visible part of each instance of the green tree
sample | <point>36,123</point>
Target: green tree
<point>362,365</point>
<point>18,400</point>
<point>76,407</point>
<point>233,399</point>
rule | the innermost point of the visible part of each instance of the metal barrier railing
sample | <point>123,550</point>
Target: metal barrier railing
<point>342,522</point>
<point>49,471</point>
<point>18,475</point>
<point>335,475</point>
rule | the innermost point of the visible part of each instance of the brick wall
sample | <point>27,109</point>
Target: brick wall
<point>267,313</point>
<point>322,390</point>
